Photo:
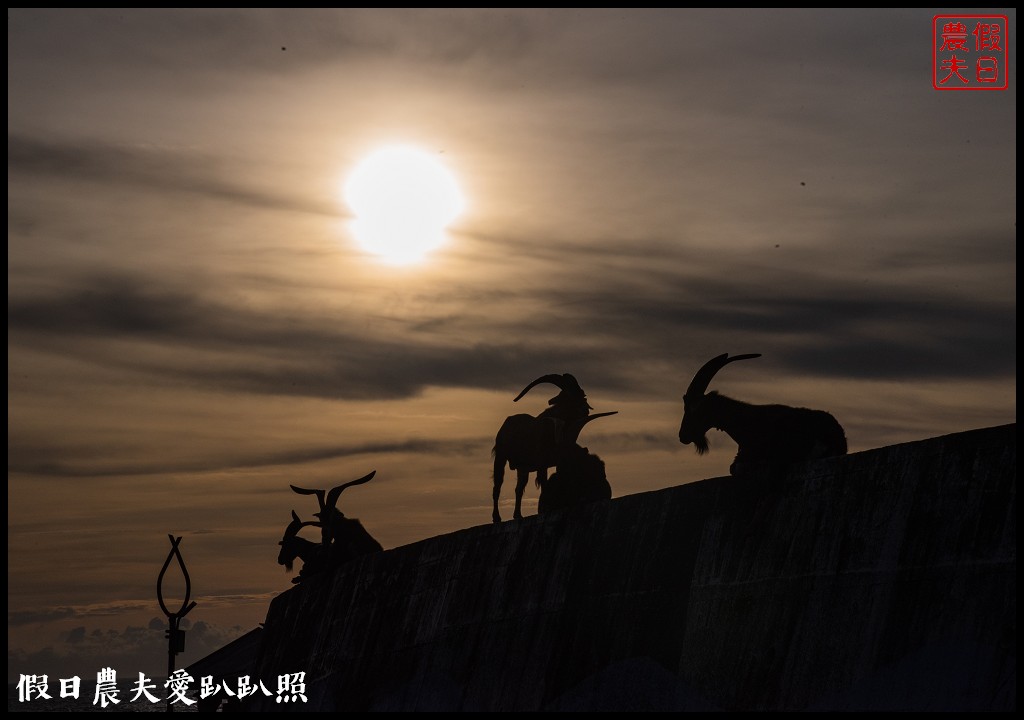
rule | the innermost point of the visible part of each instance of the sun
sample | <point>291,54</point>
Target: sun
<point>402,199</point>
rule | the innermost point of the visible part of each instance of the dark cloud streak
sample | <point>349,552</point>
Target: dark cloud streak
<point>55,461</point>
<point>879,332</point>
<point>154,169</point>
<point>64,462</point>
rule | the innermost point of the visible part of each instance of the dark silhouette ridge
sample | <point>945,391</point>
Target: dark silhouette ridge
<point>342,538</point>
<point>579,478</point>
<point>528,443</point>
<point>768,436</point>
<point>228,664</point>
<point>882,580</point>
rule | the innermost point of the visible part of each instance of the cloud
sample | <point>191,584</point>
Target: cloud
<point>41,461</point>
<point>64,462</point>
<point>227,44</point>
<point>147,168</point>
<point>83,651</point>
<point>30,617</point>
<point>806,322</point>
<point>259,352</point>
<point>50,614</point>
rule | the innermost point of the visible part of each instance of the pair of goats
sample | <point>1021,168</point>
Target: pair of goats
<point>579,479</point>
<point>768,436</point>
<point>341,538</point>
<point>528,443</point>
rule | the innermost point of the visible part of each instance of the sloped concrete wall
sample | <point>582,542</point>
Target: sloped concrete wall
<point>884,580</point>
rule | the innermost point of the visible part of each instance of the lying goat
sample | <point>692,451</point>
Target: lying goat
<point>579,478</point>
<point>772,435</point>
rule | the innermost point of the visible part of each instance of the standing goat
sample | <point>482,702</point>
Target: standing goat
<point>533,444</point>
<point>776,435</point>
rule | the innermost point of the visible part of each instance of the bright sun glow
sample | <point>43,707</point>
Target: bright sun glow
<point>403,199</point>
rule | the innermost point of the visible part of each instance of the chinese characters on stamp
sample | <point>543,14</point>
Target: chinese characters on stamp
<point>970,52</point>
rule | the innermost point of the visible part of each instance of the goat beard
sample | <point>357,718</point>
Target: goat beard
<point>288,566</point>
<point>701,444</point>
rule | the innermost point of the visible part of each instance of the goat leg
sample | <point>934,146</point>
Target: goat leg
<point>522,479</point>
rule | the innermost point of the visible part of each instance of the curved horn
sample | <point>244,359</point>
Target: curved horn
<point>700,382</point>
<point>296,524</point>
<point>574,429</point>
<point>565,383</point>
<point>306,491</point>
<point>332,496</point>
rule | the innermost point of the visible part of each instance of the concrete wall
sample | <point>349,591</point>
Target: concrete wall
<point>881,580</point>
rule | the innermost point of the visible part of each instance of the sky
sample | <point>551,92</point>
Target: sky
<point>193,325</point>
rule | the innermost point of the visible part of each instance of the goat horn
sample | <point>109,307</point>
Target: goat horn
<point>700,382</point>
<point>332,496</point>
<point>294,526</point>
<point>566,383</point>
<point>575,428</point>
<point>306,491</point>
<point>296,520</point>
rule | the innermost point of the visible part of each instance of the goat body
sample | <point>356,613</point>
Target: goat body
<point>349,539</point>
<point>776,434</point>
<point>773,435</point>
<point>579,479</point>
<point>526,444</point>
